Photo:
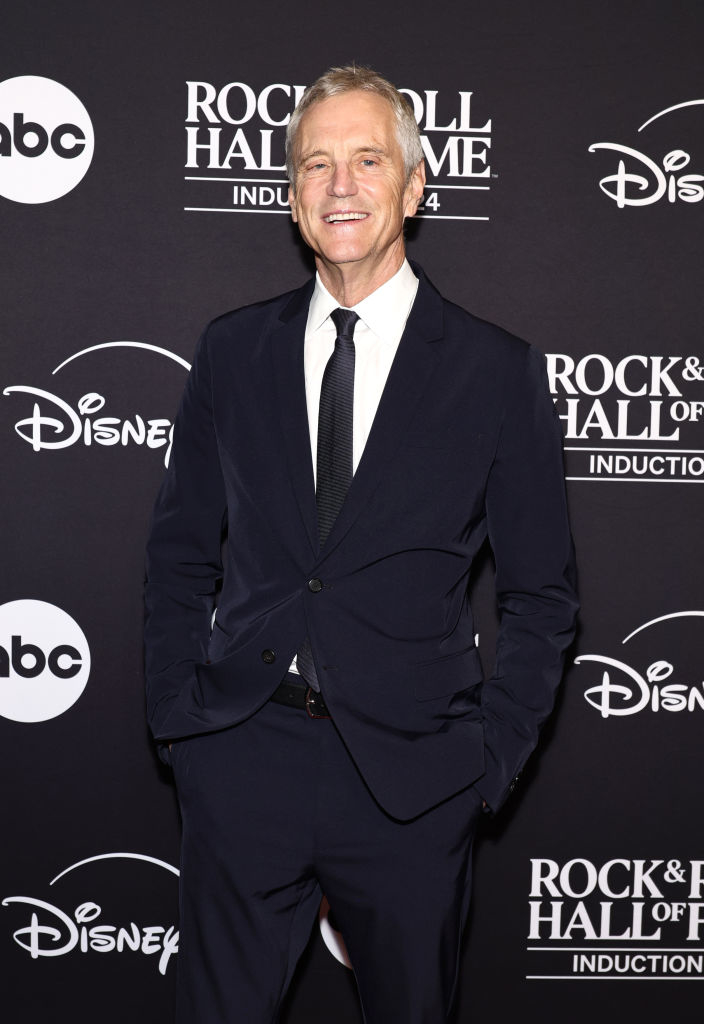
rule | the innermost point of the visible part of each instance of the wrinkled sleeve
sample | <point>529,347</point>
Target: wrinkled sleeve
<point>184,564</point>
<point>535,578</point>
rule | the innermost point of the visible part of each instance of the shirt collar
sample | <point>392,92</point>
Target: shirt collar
<point>384,312</point>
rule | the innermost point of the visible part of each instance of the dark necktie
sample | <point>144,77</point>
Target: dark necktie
<point>334,455</point>
<point>334,464</point>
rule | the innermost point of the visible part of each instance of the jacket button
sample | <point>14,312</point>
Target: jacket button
<point>268,657</point>
<point>315,585</point>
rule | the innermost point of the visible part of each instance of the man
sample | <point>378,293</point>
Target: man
<point>340,455</point>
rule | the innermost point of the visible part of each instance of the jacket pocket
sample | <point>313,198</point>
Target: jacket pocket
<point>449,674</point>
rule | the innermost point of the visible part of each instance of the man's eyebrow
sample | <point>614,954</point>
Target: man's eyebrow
<point>309,156</point>
<point>378,150</point>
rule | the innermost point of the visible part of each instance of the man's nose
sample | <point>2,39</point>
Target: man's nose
<point>342,181</point>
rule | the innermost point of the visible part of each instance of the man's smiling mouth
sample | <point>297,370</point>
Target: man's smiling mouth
<point>333,218</point>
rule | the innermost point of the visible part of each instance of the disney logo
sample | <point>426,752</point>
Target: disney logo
<point>655,184</point>
<point>60,934</point>
<point>51,932</point>
<point>641,181</point>
<point>636,691</point>
<point>53,423</point>
<point>42,428</point>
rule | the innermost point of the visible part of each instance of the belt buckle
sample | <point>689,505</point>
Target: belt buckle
<point>312,697</point>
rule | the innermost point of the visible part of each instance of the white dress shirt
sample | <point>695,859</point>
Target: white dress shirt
<point>377,333</point>
<point>382,319</point>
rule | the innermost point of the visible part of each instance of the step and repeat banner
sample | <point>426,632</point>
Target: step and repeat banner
<point>142,192</point>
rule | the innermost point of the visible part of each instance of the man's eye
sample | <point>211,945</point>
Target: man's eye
<point>370,162</point>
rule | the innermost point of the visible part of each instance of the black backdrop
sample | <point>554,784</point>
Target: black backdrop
<point>567,200</point>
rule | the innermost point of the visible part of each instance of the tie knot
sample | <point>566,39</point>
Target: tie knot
<point>344,320</point>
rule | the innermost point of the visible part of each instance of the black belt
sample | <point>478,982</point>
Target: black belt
<point>298,695</point>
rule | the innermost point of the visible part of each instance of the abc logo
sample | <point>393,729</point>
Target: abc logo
<point>46,139</point>
<point>44,661</point>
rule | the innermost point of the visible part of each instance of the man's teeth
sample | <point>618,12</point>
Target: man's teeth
<point>343,216</point>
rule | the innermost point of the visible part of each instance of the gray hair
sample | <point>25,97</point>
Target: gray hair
<point>336,81</point>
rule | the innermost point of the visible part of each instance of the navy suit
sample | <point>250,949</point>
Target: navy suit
<point>466,443</point>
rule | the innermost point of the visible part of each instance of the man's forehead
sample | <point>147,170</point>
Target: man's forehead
<point>363,124</point>
<point>348,110</point>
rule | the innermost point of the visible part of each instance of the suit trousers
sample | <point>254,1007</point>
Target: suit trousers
<point>275,814</point>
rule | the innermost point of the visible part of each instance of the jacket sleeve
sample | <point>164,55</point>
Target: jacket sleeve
<point>184,565</point>
<point>535,577</point>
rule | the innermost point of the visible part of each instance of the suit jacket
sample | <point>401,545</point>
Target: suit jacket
<point>466,443</point>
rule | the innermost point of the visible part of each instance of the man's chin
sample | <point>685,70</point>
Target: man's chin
<point>342,259</point>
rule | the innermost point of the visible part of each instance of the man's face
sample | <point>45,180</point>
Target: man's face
<point>350,198</point>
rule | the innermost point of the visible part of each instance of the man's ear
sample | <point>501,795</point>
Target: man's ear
<point>414,189</point>
<point>292,203</point>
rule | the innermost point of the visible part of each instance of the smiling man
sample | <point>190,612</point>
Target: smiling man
<point>351,191</point>
<point>341,454</point>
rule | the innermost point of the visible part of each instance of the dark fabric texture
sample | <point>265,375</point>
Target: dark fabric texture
<point>465,445</point>
<point>257,858</point>
<point>334,469</point>
<point>335,435</point>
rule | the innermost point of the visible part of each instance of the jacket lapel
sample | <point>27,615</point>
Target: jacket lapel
<point>412,369</point>
<point>410,375</point>
<point>287,341</point>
